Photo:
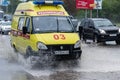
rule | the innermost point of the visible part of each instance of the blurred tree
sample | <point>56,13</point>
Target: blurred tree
<point>12,6</point>
<point>70,6</point>
<point>110,9</point>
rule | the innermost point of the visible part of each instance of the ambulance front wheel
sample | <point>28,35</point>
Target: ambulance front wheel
<point>28,52</point>
<point>77,55</point>
<point>30,58</point>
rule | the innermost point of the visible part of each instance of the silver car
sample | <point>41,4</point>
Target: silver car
<point>5,27</point>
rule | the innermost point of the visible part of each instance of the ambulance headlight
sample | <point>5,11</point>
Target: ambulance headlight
<point>42,46</point>
<point>77,44</point>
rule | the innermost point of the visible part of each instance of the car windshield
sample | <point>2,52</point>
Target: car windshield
<point>102,23</point>
<point>48,24</point>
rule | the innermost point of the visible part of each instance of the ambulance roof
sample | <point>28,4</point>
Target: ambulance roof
<point>31,9</point>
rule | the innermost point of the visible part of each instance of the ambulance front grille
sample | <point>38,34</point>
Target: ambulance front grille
<point>60,47</point>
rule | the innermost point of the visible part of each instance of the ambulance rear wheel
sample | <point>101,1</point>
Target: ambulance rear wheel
<point>14,48</point>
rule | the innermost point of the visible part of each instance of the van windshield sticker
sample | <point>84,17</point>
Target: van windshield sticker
<point>50,13</point>
<point>37,29</point>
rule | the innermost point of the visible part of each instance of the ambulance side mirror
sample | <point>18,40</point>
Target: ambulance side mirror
<point>24,30</point>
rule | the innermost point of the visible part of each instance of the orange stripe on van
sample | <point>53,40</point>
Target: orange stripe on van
<point>27,10</point>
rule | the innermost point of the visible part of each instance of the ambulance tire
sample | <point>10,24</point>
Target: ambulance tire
<point>29,57</point>
<point>15,55</point>
<point>28,52</point>
<point>14,48</point>
<point>46,59</point>
<point>76,56</point>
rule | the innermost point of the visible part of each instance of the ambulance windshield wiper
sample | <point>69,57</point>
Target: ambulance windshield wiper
<point>57,25</point>
<point>66,31</point>
<point>48,31</point>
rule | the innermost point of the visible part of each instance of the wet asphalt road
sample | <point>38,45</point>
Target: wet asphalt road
<point>98,62</point>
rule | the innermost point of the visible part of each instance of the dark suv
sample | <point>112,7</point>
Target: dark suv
<point>99,30</point>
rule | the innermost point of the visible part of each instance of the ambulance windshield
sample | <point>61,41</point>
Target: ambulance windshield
<point>49,24</point>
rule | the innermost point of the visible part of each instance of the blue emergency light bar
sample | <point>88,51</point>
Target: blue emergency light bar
<point>54,2</point>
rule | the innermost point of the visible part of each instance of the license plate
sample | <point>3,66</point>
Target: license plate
<point>113,35</point>
<point>61,52</point>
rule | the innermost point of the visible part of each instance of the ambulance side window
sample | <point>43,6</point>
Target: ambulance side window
<point>27,24</point>
<point>21,23</point>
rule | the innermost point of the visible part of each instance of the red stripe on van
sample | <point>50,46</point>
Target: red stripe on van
<point>20,34</point>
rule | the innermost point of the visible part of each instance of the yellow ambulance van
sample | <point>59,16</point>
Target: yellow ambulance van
<point>43,27</point>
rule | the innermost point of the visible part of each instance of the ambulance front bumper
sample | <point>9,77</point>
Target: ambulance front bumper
<point>61,50</point>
